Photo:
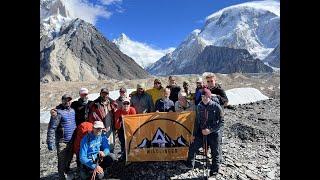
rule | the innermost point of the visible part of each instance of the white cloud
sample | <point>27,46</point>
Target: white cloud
<point>108,2</point>
<point>142,53</point>
<point>87,11</point>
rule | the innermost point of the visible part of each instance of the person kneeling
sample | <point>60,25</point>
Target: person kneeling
<point>95,153</point>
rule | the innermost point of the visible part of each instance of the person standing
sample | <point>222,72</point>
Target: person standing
<point>61,134</point>
<point>123,95</point>
<point>125,110</point>
<point>198,91</point>
<point>174,89</point>
<point>156,91</point>
<point>186,89</point>
<point>103,109</point>
<point>164,104</point>
<point>81,108</point>
<point>142,101</point>
<point>209,123</point>
<point>216,89</point>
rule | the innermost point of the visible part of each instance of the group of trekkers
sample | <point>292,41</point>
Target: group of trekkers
<point>83,127</point>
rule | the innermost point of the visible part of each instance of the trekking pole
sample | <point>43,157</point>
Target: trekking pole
<point>205,153</point>
<point>93,177</point>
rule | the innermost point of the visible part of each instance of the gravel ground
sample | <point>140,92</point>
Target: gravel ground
<point>251,150</point>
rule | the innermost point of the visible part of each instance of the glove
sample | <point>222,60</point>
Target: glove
<point>51,147</point>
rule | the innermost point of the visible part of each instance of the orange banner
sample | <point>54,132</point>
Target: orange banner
<point>159,136</point>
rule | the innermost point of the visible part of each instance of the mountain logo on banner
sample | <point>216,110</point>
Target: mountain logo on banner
<point>162,140</point>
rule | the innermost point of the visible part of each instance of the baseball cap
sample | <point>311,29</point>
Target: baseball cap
<point>141,85</point>
<point>83,91</point>
<point>98,124</point>
<point>157,81</point>
<point>182,94</point>
<point>126,100</point>
<point>66,96</point>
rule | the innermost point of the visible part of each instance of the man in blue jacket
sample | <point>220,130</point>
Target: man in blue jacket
<point>209,123</point>
<point>95,153</point>
<point>60,134</point>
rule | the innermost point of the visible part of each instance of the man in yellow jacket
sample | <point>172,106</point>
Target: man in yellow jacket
<point>156,91</point>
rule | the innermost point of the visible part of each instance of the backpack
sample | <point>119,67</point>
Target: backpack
<point>83,129</point>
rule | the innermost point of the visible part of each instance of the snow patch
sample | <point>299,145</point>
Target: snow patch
<point>244,95</point>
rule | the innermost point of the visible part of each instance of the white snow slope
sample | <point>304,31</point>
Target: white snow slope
<point>235,96</point>
<point>142,53</point>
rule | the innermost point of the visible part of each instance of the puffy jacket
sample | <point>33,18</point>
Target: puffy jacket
<point>223,99</point>
<point>118,116</point>
<point>174,92</point>
<point>89,148</point>
<point>155,94</point>
<point>81,109</point>
<point>208,116</point>
<point>62,126</point>
<point>164,105</point>
<point>142,103</point>
<point>98,111</point>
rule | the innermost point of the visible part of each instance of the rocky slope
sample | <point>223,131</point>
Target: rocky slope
<point>251,150</point>
<point>74,50</point>
<point>224,60</point>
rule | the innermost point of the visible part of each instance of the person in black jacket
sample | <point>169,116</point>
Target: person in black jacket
<point>174,88</point>
<point>216,89</point>
<point>209,123</point>
<point>164,104</point>
<point>81,106</point>
<point>220,95</point>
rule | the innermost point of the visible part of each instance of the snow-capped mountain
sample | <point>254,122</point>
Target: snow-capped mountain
<point>72,49</point>
<point>254,26</point>
<point>142,53</point>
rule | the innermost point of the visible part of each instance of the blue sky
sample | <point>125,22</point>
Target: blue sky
<point>158,23</point>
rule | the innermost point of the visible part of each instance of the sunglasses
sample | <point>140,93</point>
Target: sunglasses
<point>209,81</point>
<point>125,103</point>
<point>122,92</point>
<point>157,83</point>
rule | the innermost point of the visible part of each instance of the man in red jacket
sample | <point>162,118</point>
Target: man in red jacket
<point>118,124</point>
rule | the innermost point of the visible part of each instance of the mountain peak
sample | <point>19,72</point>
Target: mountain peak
<point>266,5</point>
<point>123,36</point>
<point>53,8</point>
<point>142,53</point>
